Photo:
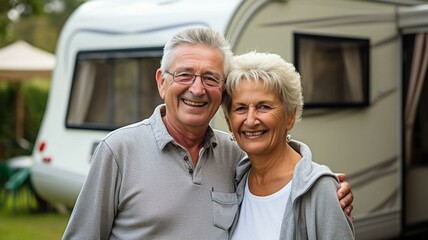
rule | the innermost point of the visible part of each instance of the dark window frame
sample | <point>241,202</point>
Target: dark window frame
<point>106,55</point>
<point>364,50</point>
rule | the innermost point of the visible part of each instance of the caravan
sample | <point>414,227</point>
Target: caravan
<point>363,66</point>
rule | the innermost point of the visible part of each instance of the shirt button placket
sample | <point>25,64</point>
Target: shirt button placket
<point>190,169</point>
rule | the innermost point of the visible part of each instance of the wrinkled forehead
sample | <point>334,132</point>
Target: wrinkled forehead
<point>194,56</point>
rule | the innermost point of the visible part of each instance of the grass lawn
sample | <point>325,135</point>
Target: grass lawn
<point>21,226</point>
<point>25,222</point>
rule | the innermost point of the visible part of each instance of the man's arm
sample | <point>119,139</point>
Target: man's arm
<point>345,195</point>
<point>93,213</point>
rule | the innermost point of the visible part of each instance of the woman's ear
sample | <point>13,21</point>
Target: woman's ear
<point>291,120</point>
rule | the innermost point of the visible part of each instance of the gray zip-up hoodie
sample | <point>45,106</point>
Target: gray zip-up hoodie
<point>313,210</point>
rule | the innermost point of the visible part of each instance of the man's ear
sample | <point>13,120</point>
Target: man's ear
<point>161,82</point>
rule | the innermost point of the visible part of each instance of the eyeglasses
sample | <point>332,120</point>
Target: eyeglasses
<point>188,78</point>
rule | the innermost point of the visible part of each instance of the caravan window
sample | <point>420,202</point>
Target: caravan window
<point>334,70</point>
<point>113,88</point>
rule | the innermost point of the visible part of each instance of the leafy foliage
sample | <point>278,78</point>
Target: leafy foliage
<point>35,98</point>
<point>27,19</point>
<point>26,8</point>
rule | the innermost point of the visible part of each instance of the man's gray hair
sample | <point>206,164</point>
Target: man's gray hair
<point>197,36</point>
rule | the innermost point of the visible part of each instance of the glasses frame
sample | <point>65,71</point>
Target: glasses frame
<point>173,74</point>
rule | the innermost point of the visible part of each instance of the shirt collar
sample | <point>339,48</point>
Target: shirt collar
<point>162,135</point>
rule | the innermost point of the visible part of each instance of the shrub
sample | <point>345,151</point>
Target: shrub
<point>35,95</point>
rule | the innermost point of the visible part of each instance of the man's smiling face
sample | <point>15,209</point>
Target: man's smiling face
<point>191,105</point>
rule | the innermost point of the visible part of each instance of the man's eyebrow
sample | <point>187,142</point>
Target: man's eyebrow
<point>219,74</point>
<point>184,69</point>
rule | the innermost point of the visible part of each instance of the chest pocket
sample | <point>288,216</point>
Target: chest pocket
<point>225,206</point>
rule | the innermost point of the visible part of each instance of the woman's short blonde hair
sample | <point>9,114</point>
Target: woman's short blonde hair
<point>274,72</point>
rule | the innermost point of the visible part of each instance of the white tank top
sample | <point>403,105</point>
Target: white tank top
<point>261,217</point>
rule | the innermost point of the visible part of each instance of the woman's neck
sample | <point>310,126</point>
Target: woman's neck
<point>270,173</point>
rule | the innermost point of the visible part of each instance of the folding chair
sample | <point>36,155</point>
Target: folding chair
<point>18,182</point>
<point>5,173</point>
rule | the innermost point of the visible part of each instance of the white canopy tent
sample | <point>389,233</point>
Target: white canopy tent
<point>20,62</point>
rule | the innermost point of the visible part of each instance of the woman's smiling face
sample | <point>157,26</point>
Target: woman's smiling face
<point>258,118</point>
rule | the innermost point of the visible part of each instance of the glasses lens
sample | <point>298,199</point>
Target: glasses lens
<point>210,81</point>
<point>184,77</point>
<point>187,78</point>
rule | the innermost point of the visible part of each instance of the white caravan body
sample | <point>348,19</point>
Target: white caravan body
<point>108,52</point>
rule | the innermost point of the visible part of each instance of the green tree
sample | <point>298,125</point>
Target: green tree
<point>36,21</point>
<point>22,8</point>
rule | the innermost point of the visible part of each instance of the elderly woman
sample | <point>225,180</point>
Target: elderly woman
<point>283,193</point>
